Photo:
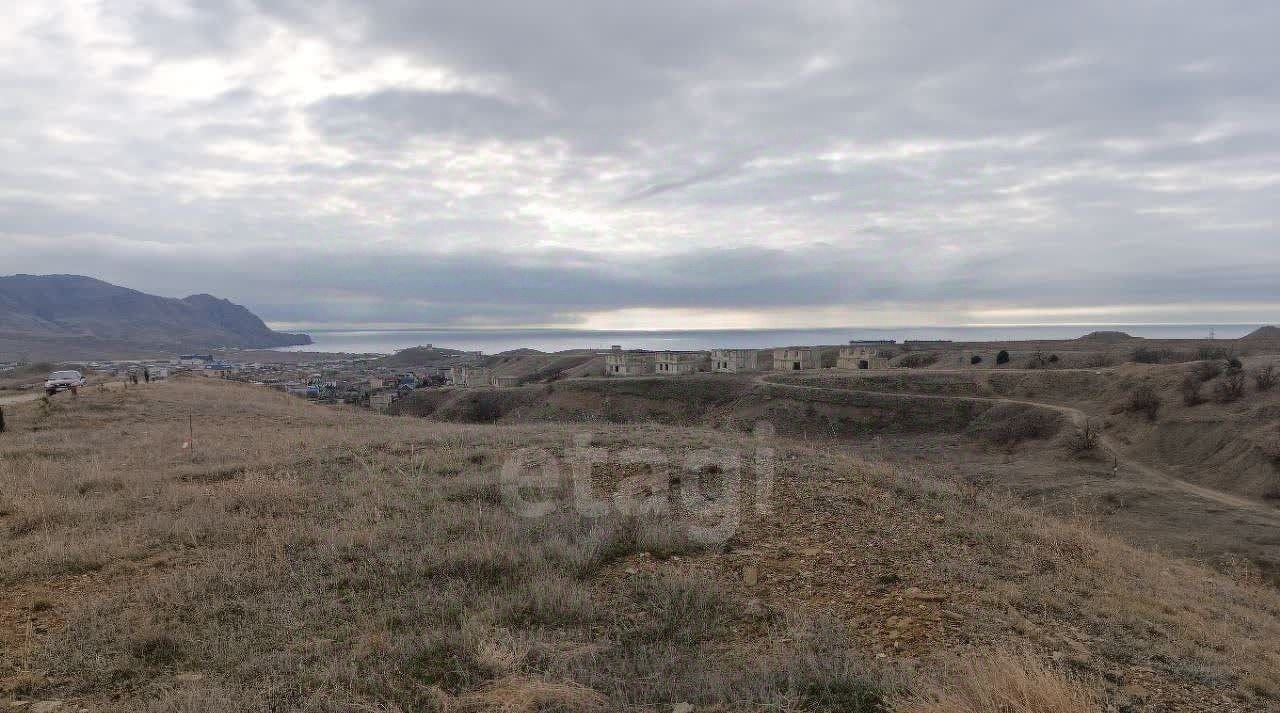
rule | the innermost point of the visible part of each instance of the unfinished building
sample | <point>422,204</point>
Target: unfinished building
<point>620,363</point>
<point>381,400</point>
<point>732,361</point>
<point>505,382</point>
<point>676,363</point>
<point>795,359</point>
<point>470,376</point>
<point>861,357</point>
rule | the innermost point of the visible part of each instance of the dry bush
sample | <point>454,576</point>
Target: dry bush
<point>918,360</point>
<point>1144,400</point>
<point>1085,437</point>
<point>1097,360</point>
<point>1230,388</point>
<point>1010,424</point>
<point>1207,370</point>
<point>1003,683</point>
<point>1148,355</point>
<point>1190,388</point>
<point>1265,378</point>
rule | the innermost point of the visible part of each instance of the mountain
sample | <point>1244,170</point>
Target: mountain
<point>1105,337</point>
<point>44,313</point>
<point>1263,334</point>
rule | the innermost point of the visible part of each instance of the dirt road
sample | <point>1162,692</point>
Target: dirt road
<point>1078,418</point>
<point>20,398</point>
<point>36,394</point>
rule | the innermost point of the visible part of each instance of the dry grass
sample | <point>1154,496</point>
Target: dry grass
<point>306,558</point>
<point>1004,683</point>
<point>313,559</point>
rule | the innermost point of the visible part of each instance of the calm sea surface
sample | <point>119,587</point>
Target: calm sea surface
<point>552,340</point>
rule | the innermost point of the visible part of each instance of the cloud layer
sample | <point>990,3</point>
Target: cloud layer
<point>661,164</point>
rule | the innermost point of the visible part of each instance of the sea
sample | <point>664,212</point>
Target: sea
<point>379,341</point>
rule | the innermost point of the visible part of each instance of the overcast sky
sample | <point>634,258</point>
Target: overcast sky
<point>657,164</point>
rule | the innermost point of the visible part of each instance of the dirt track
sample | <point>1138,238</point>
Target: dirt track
<point>20,398</point>
<point>1077,417</point>
<point>36,394</point>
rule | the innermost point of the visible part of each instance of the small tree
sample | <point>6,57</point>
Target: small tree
<point>1002,357</point>
<point>1,419</point>
<point>975,359</point>
<point>1265,378</point>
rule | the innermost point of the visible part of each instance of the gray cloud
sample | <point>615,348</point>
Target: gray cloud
<point>529,164</point>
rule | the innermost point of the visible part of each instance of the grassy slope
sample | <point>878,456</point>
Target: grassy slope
<point>321,559</point>
<point>1234,447</point>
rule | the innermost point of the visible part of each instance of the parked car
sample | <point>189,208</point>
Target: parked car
<point>63,380</point>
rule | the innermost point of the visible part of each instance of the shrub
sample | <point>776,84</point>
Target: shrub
<point>1270,446</point>
<point>1009,425</point>
<point>1190,390</point>
<point>1234,365</point>
<point>1230,388</point>
<point>1053,359</point>
<point>1144,400</point>
<point>1147,355</point>
<point>975,359</point>
<point>1097,360</point>
<point>1002,357</point>
<point>1213,353</point>
<point>1265,378</point>
<point>1207,370</point>
<point>480,409</point>
<point>918,360</point>
<point>1085,438</point>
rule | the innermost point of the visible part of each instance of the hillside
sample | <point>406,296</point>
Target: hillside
<point>51,314</point>
<point>1263,334</point>
<point>428,356</point>
<point>305,558</point>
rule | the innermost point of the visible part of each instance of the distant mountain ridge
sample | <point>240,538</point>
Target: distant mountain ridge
<point>1263,334</point>
<point>83,311</point>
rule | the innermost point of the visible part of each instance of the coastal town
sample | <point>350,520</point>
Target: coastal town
<point>376,380</point>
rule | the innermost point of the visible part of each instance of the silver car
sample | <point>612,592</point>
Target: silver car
<point>63,380</point>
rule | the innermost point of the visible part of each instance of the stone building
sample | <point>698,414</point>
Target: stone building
<point>861,357</point>
<point>620,363</point>
<point>795,359</point>
<point>476,376</point>
<point>732,361</point>
<point>675,363</point>
<point>381,400</point>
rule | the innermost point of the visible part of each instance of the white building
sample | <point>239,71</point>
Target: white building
<point>795,359</point>
<point>863,357</point>
<point>620,363</point>
<point>676,363</point>
<point>732,361</point>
